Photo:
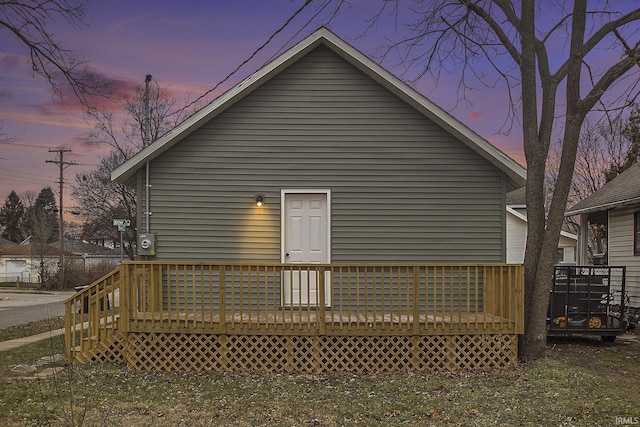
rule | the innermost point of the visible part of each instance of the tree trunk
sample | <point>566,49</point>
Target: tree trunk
<point>544,229</point>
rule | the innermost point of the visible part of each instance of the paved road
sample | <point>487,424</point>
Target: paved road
<point>17,308</point>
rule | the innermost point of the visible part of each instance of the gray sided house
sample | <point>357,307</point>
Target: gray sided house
<point>353,166</point>
<point>320,215</point>
<point>616,205</point>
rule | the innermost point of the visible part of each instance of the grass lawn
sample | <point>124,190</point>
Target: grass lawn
<point>581,382</point>
<point>33,328</point>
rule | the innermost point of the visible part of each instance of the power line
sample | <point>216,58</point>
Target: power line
<point>255,52</point>
<point>22,144</point>
<point>297,33</point>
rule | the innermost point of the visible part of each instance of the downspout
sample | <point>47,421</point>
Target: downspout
<point>146,195</point>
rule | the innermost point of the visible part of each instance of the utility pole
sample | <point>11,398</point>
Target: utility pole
<point>63,165</point>
<point>146,140</point>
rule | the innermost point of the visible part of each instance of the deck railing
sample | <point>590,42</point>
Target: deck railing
<point>317,299</point>
<point>92,314</point>
<point>295,299</point>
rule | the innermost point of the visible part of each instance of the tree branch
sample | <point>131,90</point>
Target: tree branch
<point>28,22</point>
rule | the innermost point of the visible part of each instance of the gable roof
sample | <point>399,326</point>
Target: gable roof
<point>621,191</point>
<point>323,36</point>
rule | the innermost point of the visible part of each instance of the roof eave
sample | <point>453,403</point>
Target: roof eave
<point>604,207</point>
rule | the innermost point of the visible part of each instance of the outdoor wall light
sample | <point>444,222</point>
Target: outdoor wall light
<point>259,200</point>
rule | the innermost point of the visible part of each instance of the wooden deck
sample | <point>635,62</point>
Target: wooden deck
<point>206,316</point>
<point>294,321</point>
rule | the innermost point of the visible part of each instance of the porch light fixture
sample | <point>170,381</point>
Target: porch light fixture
<point>259,200</point>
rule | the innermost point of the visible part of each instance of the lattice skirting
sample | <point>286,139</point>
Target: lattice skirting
<point>112,350</point>
<point>358,354</point>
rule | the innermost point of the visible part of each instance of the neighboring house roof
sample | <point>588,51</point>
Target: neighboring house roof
<point>6,242</point>
<point>517,197</point>
<point>510,167</point>
<point>623,190</point>
<point>71,247</point>
<point>79,247</point>
<point>29,250</point>
<point>517,214</point>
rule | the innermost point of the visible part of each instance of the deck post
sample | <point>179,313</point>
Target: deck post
<point>222,282</point>
<point>416,300</point>
<point>94,317</point>
<point>488,294</point>
<point>125,296</point>
<point>153,290</point>
<point>321,309</point>
<point>69,346</point>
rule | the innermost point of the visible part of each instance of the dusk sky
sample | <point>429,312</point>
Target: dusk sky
<point>188,47</point>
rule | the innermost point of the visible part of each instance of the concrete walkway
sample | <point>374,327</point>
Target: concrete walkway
<point>18,342</point>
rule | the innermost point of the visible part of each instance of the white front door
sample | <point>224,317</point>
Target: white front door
<point>306,241</point>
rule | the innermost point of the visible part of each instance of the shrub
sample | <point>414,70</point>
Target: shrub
<point>78,273</point>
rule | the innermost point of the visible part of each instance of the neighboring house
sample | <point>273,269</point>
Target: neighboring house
<point>102,238</point>
<point>617,206</point>
<point>22,263</point>
<point>321,181</point>
<point>517,232</point>
<point>395,178</point>
<point>91,254</point>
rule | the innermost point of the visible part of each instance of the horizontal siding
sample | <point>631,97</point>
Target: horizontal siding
<point>516,239</point>
<point>621,251</point>
<point>403,189</point>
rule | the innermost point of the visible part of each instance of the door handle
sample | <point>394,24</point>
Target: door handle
<point>287,254</point>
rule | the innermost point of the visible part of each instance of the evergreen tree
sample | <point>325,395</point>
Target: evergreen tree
<point>12,217</point>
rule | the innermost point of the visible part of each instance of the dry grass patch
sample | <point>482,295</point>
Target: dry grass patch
<point>555,391</point>
<point>32,328</point>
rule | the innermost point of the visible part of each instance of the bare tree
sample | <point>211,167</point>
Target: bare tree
<point>165,112</point>
<point>29,22</point>
<point>42,232</point>
<point>630,142</point>
<point>604,147</point>
<point>29,198</point>
<point>127,137</point>
<point>552,87</point>
<point>102,200</point>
